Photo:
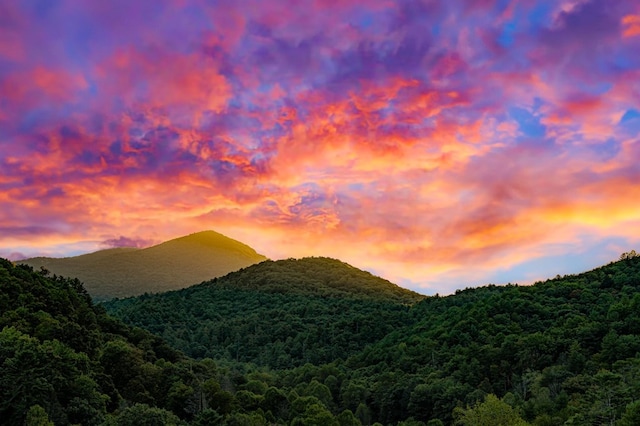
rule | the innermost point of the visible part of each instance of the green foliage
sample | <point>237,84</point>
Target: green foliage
<point>543,343</point>
<point>211,417</point>
<point>295,345</point>
<point>491,412</point>
<point>240,419</point>
<point>315,414</point>
<point>278,314</point>
<point>631,416</point>
<point>32,372</point>
<point>347,418</point>
<point>411,422</point>
<point>62,358</point>
<point>37,416</point>
<point>363,413</point>
<point>144,415</point>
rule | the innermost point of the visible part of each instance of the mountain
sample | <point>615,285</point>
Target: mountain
<point>277,313</point>
<point>562,351</point>
<point>317,276</point>
<point>122,272</point>
<point>323,352</point>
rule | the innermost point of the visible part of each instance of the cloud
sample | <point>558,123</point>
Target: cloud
<point>434,143</point>
<point>123,241</point>
<point>13,256</point>
<point>631,25</point>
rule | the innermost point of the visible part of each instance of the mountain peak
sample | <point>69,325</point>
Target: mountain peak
<point>318,276</point>
<point>213,239</point>
<point>204,236</point>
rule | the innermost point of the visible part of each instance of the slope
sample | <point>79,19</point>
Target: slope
<point>171,265</point>
<point>63,357</point>
<point>318,276</point>
<point>278,314</point>
<point>563,350</point>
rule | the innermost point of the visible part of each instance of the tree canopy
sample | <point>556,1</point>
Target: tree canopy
<point>563,351</point>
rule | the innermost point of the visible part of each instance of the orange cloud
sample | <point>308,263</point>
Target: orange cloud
<point>391,147</point>
<point>631,25</point>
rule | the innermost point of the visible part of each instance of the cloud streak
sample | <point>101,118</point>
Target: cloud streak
<point>439,144</point>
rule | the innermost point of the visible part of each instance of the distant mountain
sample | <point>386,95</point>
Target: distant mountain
<point>172,265</point>
<point>277,313</point>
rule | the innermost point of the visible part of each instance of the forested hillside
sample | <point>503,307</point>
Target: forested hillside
<point>63,357</point>
<point>63,360</point>
<point>278,314</point>
<point>562,352</point>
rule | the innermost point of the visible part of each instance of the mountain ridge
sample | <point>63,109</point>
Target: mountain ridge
<point>314,304</point>
<point>324,281</point>
<point>561,351</point>
<point>170,265</point>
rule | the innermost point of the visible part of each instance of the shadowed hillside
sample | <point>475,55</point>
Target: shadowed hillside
<point>561,352</point>
<point>281,314</point>
<point>172,265</point>
<point>317,276</point>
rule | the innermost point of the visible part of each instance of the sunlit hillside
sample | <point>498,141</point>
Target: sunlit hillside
<point>171,265</point>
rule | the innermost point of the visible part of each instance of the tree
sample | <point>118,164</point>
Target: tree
<point>320,391</point>
<point>346,418</point>
<point>631,416</point>
<point>354,394</point>
<point>492,412</point>
<point>240,419</point>
<point>315,415</point>
<point>143,415</point>
<point>629,255</point>
<point>363,413</point>
<point>36,416</point>
<point>276,401</point>
<point>210,417</point>
<point>411,422</point>
<point>48,373</point>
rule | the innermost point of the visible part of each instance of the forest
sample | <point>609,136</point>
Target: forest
<point>318,342</point>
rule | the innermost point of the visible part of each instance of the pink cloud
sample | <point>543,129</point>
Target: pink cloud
<point>631,25</point>
<point>388,141</point>
<point>123,241</point>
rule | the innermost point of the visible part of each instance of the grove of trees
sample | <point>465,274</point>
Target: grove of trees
<point>317,342</point>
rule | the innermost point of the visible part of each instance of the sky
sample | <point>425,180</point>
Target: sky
<point>439,144</point>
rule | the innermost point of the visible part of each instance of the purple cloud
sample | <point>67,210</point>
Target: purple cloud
<point>123,241</point>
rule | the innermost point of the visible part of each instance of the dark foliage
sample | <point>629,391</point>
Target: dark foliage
<point>563,351</point>
<point>278,314</point>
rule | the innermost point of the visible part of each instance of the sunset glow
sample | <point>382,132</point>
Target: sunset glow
<point>439,144</point>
